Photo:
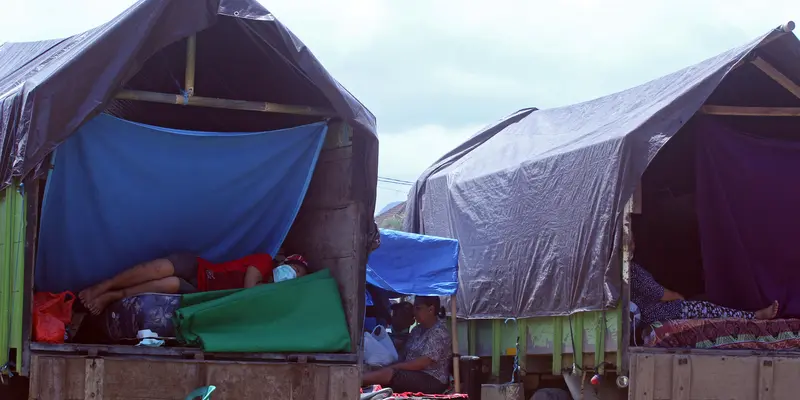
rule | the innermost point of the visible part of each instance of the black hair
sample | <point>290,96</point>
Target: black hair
<point>433,301</point>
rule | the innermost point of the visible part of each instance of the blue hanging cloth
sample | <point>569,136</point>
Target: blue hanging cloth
<point>122,193</point>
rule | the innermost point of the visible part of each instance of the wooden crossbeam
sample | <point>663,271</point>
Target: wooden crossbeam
<point>779,32</point>
<point>751,111</point>
<point>777,76</point>
<point>166,98</point>
<point>189,99</point>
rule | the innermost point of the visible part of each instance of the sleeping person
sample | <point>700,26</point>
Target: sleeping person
<point>657,303</point>
<point>187,273</point>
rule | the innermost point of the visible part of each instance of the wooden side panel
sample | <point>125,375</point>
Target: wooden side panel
<point>75,377</point>
<point>664,376</point>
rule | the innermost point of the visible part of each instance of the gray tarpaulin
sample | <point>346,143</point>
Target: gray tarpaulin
<point>536,201</point>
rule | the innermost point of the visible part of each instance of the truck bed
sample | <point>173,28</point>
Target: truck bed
<point>661,374</point>
<point>72,377</point>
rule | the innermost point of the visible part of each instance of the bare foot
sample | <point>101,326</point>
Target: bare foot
<point>768,313</point>
<point>90,293</point>
<point>99,303</point>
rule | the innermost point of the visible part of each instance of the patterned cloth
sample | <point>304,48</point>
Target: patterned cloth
<point>776,334</point>
<point>152,311</point>
<point>646,293</point>
<point>433,342</point>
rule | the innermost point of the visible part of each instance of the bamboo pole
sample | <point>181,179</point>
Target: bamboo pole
<point>751,111</point>
<point>777,76</point>
<point>191,61</point>
<point>166,98</point>
<point>456,358</point>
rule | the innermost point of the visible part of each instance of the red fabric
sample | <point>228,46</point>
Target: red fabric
<point>230,275</point>
<point>777,334</point>
<point>410,395</point>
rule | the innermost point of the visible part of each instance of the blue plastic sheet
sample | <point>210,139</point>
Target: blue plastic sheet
<point>412,264</point>
<point>122,193</point>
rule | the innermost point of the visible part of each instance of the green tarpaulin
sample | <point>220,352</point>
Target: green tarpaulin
<point>303,315</point>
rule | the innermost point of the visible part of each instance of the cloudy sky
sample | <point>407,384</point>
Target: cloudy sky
<point>436,71</point>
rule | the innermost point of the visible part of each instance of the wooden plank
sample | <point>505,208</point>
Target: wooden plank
<point>49,378</point>
<point>576,338</point>
<point>191,61</point>
<point>344,383</point>
<point>681,378</point>
<point>31,239</point>
<point>644,377</point>
<point>558,345</point>
<point>472,337</point>
<point>624,333</point>
<point>522,354</point>
<point>93,379</point>
<point>496,325</point>
<point>777,76</point>
<point>600,342</point>
<point>765,379</point>
<point>751,111</point>
<point>210,102</point>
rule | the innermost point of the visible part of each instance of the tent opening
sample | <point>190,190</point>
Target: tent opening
<point>718,218</point>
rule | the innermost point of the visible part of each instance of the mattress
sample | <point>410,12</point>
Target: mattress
<point>154,311</point>
<point>779,334</point>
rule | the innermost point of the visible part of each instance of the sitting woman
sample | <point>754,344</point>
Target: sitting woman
<point>657,303</point>
<point>425,366</point>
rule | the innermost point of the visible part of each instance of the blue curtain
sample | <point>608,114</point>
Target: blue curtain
<point>122,193</point>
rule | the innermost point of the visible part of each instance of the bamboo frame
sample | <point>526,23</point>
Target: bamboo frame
<point>189,99</point>
<point>751,111</point>
<point>454,335</point>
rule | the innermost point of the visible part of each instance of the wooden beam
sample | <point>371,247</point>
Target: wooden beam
<point>777,76</point>
<point>166,98</point>
<point>191,61</point>
<point>454,336</point>
<point>751,111</point>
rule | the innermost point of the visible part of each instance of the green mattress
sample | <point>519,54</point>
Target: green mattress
<point>302,315</point>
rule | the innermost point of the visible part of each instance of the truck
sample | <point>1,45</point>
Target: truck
<point>242,71</point>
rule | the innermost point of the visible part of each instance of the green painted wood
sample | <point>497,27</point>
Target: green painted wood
<point>558,344</point>
<point>472,337</point>
<point>496,325</point>
<point>522,354</point>
<point>577,341</point>
<point>600,342</point>
<point>12,248</point>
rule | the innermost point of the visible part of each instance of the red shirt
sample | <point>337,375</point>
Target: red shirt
<point>230,275</point>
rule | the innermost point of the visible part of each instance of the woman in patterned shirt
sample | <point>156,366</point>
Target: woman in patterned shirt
<point>425,366</point>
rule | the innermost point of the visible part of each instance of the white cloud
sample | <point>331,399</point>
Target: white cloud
<point>405,155</point>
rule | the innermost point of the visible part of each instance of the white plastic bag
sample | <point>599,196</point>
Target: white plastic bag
<point>383,337</point>
<point>378,348</point>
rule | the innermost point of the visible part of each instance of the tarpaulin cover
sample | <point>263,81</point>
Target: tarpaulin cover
<point>536,201</point>
<point>122,193</point>
<point>276,317</point>
<point>747,207</point>
<point>412,264</point>
<point>50,88</point>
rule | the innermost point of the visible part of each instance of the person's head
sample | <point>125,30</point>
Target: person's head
<point>402,316</point>
<point>294,266</point>
<point>427,310</point>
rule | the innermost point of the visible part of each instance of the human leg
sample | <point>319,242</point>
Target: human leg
<point>140,273</point>
<point>381,377</point>
<point>168,285</point>
<point>704,309</point>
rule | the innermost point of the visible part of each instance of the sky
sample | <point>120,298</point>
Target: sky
<point>436,71</point>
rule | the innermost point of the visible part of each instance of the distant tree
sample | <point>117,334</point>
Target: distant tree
<point>394,223</point>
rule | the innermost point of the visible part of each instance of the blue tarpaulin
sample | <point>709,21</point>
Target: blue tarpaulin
<point>412,264</point>
<point>122,193</point>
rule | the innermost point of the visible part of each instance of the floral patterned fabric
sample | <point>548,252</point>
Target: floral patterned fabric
<point>433,342</point>
<point>751,334</point>
<point>152,311</point>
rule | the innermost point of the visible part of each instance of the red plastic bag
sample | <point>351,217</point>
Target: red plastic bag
<point>51,314</point>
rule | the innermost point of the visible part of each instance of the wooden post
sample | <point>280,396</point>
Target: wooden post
<point>454,330</point>
<point>496,325</point>
<point>751,111</point>
<point>191,60</point>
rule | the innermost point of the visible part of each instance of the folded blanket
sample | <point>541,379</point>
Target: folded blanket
<point>303,315</point>
<point>730,333</point>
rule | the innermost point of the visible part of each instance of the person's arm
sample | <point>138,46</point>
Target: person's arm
<point>417,364</point>
<point>669,295</point>
<point>647,289</point>
<point>252,277</point>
